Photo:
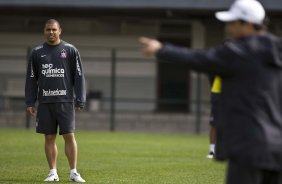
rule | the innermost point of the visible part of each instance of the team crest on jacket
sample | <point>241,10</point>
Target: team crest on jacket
<point>63,54</point>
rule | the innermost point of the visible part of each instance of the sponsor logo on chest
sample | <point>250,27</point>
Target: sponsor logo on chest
<point>48,70</point>
<point>56,92</point>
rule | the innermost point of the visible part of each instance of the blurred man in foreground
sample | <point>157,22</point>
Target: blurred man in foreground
<point>249,126</point>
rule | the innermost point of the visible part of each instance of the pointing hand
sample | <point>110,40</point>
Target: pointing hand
<point>151,46</point>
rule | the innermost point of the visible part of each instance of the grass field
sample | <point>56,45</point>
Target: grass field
<point>112,158</point>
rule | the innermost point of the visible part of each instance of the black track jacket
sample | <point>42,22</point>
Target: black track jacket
<point>55,74</point>
<point>250,115</point>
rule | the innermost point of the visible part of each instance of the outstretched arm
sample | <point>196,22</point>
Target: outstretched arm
<point>213,61</point>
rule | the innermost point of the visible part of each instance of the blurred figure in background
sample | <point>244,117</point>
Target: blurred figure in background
<point>215,96</point>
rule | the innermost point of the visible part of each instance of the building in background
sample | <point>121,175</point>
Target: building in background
<point>96,27</point>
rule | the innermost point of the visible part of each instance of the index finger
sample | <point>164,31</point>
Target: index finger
<point>144,40</point>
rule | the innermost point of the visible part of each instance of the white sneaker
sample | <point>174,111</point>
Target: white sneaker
<point>75,177</point>
<point>210,155</point>
<point>52,177</point>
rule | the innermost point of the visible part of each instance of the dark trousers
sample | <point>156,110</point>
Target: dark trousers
<point>240,174</point>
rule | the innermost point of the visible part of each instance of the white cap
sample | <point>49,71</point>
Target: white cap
<point>248,10</point>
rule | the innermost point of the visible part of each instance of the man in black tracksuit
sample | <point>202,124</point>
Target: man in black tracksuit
<point>249,126</point>
<point>55,78</point>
